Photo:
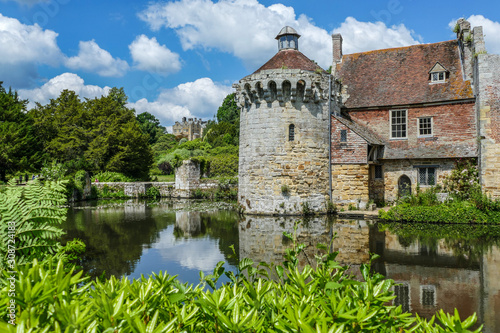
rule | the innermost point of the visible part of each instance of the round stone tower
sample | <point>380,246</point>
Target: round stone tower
<point>284,126</point>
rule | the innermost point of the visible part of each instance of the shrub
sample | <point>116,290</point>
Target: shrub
<point>258,298</point>
<point>285,190</point>
<point>112,177</point>
<point>153,192</point>
<point>166,168</point>
<point>224,165</point>
<point>463,181</point>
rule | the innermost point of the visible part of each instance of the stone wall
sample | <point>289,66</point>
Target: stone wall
<point>350,184</point>
<point>261,238</point>
<point>393,170</point>
<point>278,175</point>
<point>487,85</point>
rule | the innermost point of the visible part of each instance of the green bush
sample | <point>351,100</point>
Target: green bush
<point>224,166</point>
<point>259,298</point>
<point>112,177</point>
<point>153,192</point>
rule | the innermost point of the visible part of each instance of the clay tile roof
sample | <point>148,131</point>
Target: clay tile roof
<point>400,76</point>
<point>291,59</point>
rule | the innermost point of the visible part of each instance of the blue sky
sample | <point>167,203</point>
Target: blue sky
<point>179,58</point>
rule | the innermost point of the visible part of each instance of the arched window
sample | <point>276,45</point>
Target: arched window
<point>291,132</point>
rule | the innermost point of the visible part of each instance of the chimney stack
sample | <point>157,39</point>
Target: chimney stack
<point>337,50</point>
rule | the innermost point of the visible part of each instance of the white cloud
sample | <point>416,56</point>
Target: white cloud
<point>199,99</point>
<point>92,58</point>
<point>247,29</point>
<point>491,31</point>
<point>22,48</point>
<point>365,36</point>
<point>198,254</point>
<point>149,55</point>
<point>53,88</point>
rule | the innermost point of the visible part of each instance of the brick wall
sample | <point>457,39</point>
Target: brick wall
<point>452,124</point>
<point>354,150</point>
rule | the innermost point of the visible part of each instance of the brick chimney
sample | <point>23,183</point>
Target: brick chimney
<point>337,50</point>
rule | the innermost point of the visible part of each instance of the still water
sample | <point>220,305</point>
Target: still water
<point>436,266</point>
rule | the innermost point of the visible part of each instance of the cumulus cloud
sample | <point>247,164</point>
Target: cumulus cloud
<point>149,55</point>
<point>246,29</point>
<point>92,58</point>
<point>365,36</point>
<point>53,88</point>
<point>491,31</point>
<point>22,48</point>
<point>197,254</point>
<point>200,99</point>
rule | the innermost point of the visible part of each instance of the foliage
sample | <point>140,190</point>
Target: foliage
<point>20,148</point>
<point>285,190</point>
<point>164,143</point>
<point>423,198</point>
<point>80,179</point>
<point>463,181</point>
<point>259,298</point>
<point>150,125</point>
<point>107,192</point>
<point>153,192</point>
<point>166,168</point>
<point>224,165</point>
<point>452,212</point>
<point>54,171</point>
<point>29,219</point>
<point>112,177</point>
<point>99,134</point>
<point>229,111</point>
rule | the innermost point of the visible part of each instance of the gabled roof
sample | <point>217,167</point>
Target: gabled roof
<point>364,132</point>
<point>438,68</point>
<point>290,59</point>
<point>400,76</point>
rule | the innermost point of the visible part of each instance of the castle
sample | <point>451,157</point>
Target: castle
<point>189,128</point>
<point>382,122</point>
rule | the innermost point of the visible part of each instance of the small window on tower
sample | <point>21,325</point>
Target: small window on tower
<point>343,135</point>
<point>291,132</point>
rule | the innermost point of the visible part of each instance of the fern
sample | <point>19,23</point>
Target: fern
<point>34,213</point>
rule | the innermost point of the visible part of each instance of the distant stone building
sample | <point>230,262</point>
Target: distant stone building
<point>189,128</point>
<point>381,123</point>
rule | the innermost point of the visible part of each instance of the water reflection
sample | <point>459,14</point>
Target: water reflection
<point>130,238</point>
<point>437,266</point>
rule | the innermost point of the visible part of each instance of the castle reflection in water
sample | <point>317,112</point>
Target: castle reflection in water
<point>432,272</point>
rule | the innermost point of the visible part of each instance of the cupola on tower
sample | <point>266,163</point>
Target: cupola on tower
<point>284,123</point>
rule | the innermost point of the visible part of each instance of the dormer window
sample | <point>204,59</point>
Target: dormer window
<point>438,73</point>
<point>438,76</point>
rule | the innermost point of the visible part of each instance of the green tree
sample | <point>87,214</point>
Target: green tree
<point>99,134</point>
<point>229,111</point>
<point>63,126</point>
<point>150,125</point>
<point>20,149</point>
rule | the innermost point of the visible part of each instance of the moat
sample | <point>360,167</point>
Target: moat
<point>437,266</point>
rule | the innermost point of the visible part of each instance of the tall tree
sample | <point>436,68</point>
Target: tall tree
<point>99,134</point>
<point>150,125</point>
<point>19,148</point>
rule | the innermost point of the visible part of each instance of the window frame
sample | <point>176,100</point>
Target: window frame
<point>375,166</point>
<point>438,80</point>
<point>419,127</point>
<point>391,116</point>
<point>426,182</point>
<point>423,299</point>
<point>291,132</point>
<point>343,135</point>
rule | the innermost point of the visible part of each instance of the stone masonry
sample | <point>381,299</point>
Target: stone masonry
<point>277,174</point>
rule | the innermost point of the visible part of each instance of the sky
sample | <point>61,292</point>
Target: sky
<point>180,58</point>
